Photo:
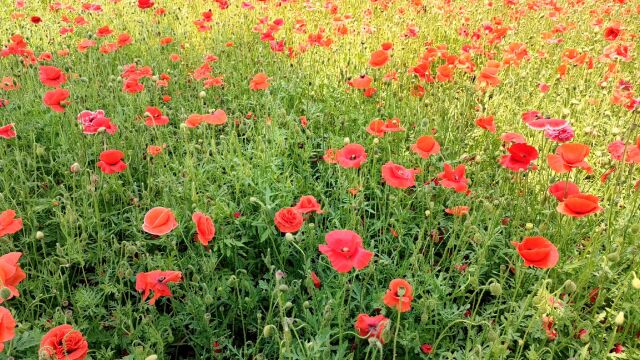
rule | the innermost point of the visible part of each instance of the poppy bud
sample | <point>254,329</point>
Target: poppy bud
<point>40,150</point>
<point>202,94</point>
<point>283,288</point>
<point>306,304</point>
<point>495,289</point>
<point>152,357</point>
<point>39,235</point>
<point>476,238</point>
<point>376,141</point>
<point>75,168</point>
<point>268,331</point>
<point>635,282</point>
<point>208,299</point>
<point>184,127</point>
<point>427,213</point>
<point>5,293</point>
<point>569,286</point>
<point>619,320</point>
<point>528,226</point>
<point>288,305</point>
<point>289,236</point>
<point>280,275</point>
<point>634,229</point>
<point>613,257</point>
<point>233,281</point>
<point>346,140</point>
<point>373,341</point>
<point>253,199</point>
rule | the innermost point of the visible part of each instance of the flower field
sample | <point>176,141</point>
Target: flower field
<point>297,179</point>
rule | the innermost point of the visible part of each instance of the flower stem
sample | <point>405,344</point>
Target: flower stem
<point>395,336</point>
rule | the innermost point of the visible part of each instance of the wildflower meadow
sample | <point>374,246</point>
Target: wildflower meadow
<point>319,179</point>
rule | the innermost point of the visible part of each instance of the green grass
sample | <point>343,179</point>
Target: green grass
<point>82,272</point>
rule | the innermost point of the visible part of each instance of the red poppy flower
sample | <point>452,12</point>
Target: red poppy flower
<point>344,250</point>
<point>316,280</point>
<point>486,123</point>
<point>11,274</point>
<point>630,153</point>
<point>426,146</point>
<point>132,85</point>
<point>547,325</point>
<point>454,179</point>
<point>51,76</point>
<point>426,349</point>
<point>563,189</point>
<point>155,117</point>
<point>538,252</point>
<point>569,156</point>
<point>376,128</point>
<point>398,176</point>
<point>371,326</point>
<point>351,156</point>
<point>392,125</point>
<point>219,117</point>
<point>546,124</point>
<point>154,150</point>
<point>612,32</point>
<point>369,92</point>
<point>330,156</point>
<point>379,58</point>
<point>111,161</point>
<point>159,221</point>
<point>259,82</point>
<point>94,122</point>
<point>520,157</point>
<point>362,82</point>
<point>399,295</point>
<point>307,204</point>
<point>7,326</point>
<point>205,230</point>
<point>457,210</point>
<point>7,131</point>
<point>145,4</point>
<point>288,220</point>
<point>8,223</point>
<point>55,99</point>
<point>513,138</point>
<point>63,343</point>
<point>489,74</point>
<point>579,205</point>
<point>156,281</point>
<point>104,31</point>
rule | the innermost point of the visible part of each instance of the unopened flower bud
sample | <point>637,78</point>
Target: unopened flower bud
<point>75,168</point>
<point>5,293</point>
<point>619,320</point>
<point>289,236</point>
<point>39,235</point>
<point>495,289</point>
<point>635,282</point>
<point>570,286</point>
<point>268,331</point>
